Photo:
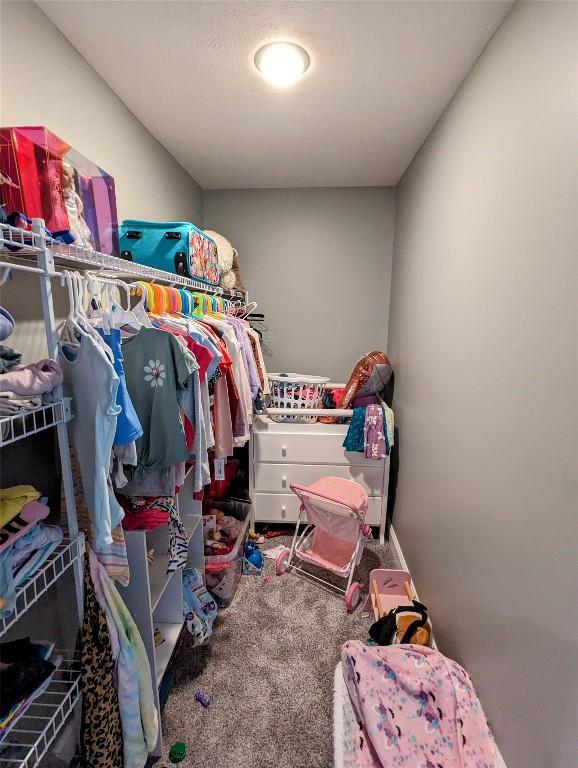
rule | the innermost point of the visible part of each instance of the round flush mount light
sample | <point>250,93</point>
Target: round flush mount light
<point>282,64</point>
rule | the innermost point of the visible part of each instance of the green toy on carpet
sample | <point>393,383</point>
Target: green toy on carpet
<point>177,752</point>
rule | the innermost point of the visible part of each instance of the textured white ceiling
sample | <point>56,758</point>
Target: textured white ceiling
<point>381,74</point>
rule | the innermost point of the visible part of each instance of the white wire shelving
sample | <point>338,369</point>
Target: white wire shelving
<point>66,554</point>
<point>34,252</point>
<point>38,726</point>
<point>25,242</point>
<point>32,735</point>
<point>21,245</point>
<point>28,423</point>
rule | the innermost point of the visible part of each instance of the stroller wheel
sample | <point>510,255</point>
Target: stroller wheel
<point>353,596</point>
<point>281,563</point>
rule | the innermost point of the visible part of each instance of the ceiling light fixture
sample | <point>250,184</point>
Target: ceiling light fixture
<point>282,64</point>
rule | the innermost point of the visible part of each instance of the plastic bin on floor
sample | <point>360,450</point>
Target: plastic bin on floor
<point>223,572</point>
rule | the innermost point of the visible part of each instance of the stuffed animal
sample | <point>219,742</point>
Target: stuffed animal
<point>213,534</point>
<point>236,272</point>
<point>405,624</point>
<point>230,526</point>
<point>254,536</point>
<point>216,548</point>
<point>224,251</point>
<point>228,280</point>
<point>227,257</point>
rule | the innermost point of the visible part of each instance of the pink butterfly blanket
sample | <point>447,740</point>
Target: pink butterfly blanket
<point>416,709</point>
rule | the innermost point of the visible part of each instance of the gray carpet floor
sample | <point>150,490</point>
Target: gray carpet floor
<point>268,671</point>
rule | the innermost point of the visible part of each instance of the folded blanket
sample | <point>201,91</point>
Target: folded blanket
<point>414,707</point>
<point>12,404</point>
<point>34,379</point>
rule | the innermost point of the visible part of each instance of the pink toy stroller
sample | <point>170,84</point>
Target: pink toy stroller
<point>335,533</point>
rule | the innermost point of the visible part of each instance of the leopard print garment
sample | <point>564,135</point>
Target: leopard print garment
<point>101,733</point>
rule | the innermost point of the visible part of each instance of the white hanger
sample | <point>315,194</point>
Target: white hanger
<point>115,316</point>
<point>79,283</point>
<point>247,309</point>
<point>124,317</point>
<point>97,314</point>
<point>78,290</point>
<point>139,308</point>
<point>70,322</point>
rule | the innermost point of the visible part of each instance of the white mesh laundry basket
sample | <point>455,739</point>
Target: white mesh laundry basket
<point>296,392</point>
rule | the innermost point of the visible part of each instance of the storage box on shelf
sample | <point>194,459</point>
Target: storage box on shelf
<point>302,453</point>
<point>46,177</point>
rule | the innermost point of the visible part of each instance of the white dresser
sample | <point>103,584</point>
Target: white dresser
<point>302,453</point>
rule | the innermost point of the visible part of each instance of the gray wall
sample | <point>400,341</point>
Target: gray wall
<point>319,263</point>
<point>482,337</point>
<point>45,81</point>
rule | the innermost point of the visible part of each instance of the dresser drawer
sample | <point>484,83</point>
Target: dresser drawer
<point>276,478</point>
<point>284,508</point>
<point>294,448</point>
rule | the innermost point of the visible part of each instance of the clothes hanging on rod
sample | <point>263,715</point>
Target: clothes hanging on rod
<point>260,331</point>
<point>157,387</point>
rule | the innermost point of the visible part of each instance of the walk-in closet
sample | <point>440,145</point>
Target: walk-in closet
<point>288,384</point>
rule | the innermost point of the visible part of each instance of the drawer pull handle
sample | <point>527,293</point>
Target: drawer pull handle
<point>283,511</point>
<point>283,450</point>
<point>284,481</point>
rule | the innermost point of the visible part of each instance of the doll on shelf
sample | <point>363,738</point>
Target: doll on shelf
<point>75,208</point>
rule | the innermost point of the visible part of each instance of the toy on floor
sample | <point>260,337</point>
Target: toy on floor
<point>335,534</point>
<point>253,554</point>
<point>254,536</point>
<point>178,752</point>
<point>273,552</point>
<point>202,698</point>
<point>273,533</point>
<point>253,560</point>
